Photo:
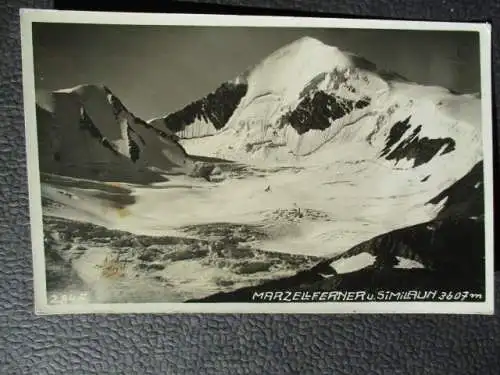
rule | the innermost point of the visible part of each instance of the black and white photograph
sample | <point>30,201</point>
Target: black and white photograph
<point>203,163</point>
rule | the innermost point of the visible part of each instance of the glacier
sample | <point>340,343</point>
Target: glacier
<point>310,155</point>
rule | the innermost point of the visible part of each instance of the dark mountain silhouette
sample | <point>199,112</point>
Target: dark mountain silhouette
<point>216,108</point>
<point>119,107</point>
<point>465,197</point>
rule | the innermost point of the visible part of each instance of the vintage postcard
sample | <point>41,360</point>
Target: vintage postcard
<point>244,164</point>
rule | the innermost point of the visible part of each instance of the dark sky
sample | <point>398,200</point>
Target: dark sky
<point>159,69</point>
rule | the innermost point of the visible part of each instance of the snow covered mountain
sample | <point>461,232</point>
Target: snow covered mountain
<point>310,98</point>
<point>87,132</point>
<point>323,169</point>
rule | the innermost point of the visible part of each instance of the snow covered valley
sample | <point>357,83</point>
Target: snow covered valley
<point>297,174</point>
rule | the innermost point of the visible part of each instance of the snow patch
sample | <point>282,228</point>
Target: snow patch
<point>408,263</point>
<point>354,263</point>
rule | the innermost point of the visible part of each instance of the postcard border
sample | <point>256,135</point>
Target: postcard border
<point>29,16</point>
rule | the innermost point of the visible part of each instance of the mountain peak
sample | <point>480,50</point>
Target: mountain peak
<point>44,99</point>
<point>308,41</point>
<point>84,87</point>
<point>299,49</point>
<point>307,48</point>
<point>287,70</point>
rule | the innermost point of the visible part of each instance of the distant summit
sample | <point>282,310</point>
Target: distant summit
<point>308,96</point>
<point>86,131</point>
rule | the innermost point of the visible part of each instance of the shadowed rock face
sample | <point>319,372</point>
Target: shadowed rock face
<point>450,243</point>
<point>452,252</point>
<point>134,149</point>
<point>46,129</point>
<point>119,107</point>
<point>216,108</point>
<point>88,125</point>
<point>419,149</point>
<point>102,173</point>
<point>89,133</point>
<point>465,197</point>
<point>450,247</point>
<point>317,111</point>
<point>445,246</point>
<point>395,134</point>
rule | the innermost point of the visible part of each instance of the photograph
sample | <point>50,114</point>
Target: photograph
<point>258,164</point>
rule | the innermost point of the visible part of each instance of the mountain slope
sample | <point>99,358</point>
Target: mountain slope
<point>87,132</point>
<point>308,100</point>
<point>445,254</point>
<point>336,176</point>
<point>206,116</point>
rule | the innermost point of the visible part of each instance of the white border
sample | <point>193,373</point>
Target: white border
<point>28,16</point>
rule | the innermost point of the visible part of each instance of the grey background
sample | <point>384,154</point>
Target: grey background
<point>156,70</point>
<point>219,344</point>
